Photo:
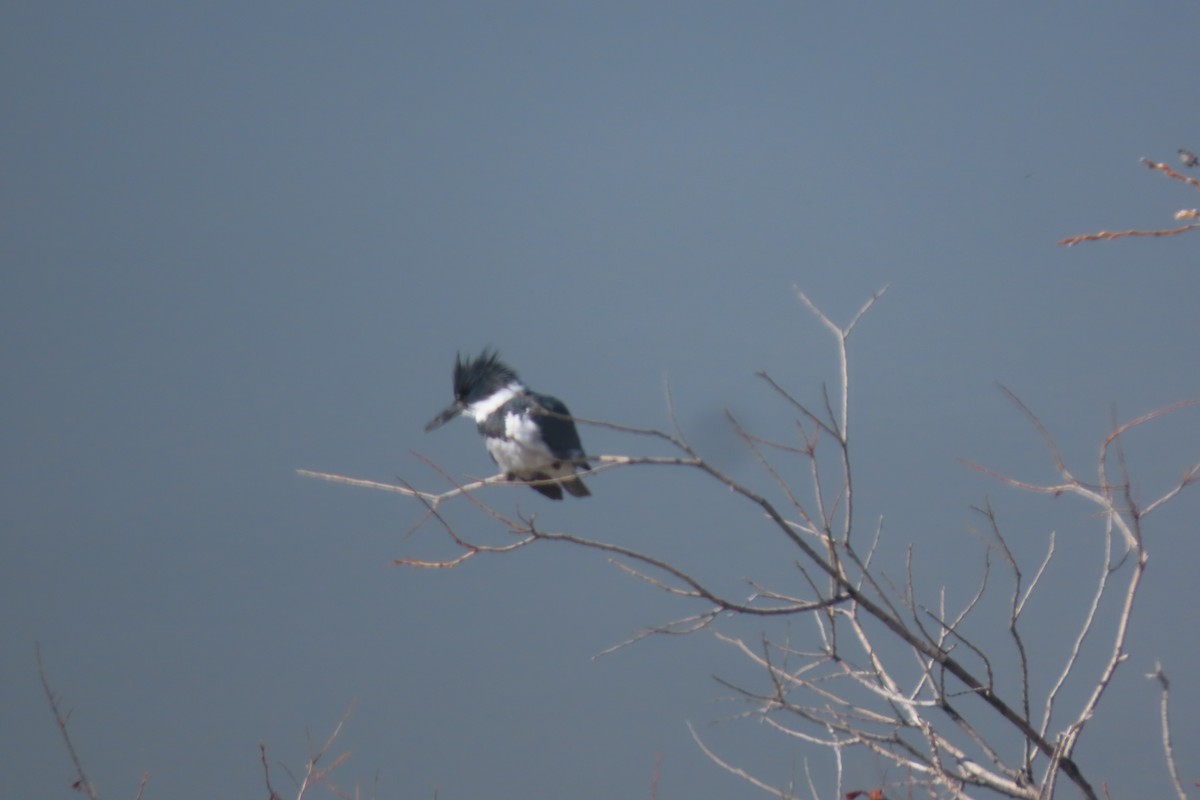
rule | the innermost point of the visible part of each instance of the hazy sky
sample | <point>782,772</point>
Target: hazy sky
<point>241,239</point>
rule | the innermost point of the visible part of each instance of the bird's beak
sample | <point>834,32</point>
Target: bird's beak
<point>450,412</point>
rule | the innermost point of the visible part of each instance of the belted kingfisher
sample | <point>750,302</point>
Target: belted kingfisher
<point>530,436</point>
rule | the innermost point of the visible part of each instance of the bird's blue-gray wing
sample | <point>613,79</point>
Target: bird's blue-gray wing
<point>558,429</point>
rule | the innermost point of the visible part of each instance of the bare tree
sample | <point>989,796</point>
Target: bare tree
<point>882,669</point>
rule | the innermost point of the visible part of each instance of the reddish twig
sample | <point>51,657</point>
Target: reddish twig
<point>262,755</point>
<point>1170,173</point>
<point>1107,235</point>
<point>1103,235</point>
<point>82,784</point>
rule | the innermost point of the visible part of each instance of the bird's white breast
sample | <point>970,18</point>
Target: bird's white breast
<point>522,448</point>
<point>482,409</point>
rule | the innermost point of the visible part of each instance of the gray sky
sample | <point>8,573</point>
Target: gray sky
<point>244,239</point>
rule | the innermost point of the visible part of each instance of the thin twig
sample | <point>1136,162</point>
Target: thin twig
<point>83,784</point>
<point>314,776</point>
<point>741,773</point>
<point>1170,173</point>
<point>1161,677</point>
<point>1071,241</point>
<point>262,755</point>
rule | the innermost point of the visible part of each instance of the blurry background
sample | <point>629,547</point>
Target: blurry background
<point>244,239</point>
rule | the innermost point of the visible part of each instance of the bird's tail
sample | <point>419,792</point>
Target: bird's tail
<point>576,487</point>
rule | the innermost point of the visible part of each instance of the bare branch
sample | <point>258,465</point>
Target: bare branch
<point>262,755</point>
<point>1084,629</point>
<point>1037,576</point>
<point>1071,241</point>
<point>829,427</point>
<point>437,498</point>
<point>1161,677</point>
<point>1051,445</point>
<point>314,776</point>
<point>1017,604</point>
<point>1121,430</point>
<point>1170,173</point>
<point>871,301</point>
<point>680,627</point>
<point>1187,214</point>
<point>842,335</point>
<point>60,719</point>
<point>751,443</point>
<point>741,773</point>
<point>1192,475</point>
<point>698,589</point>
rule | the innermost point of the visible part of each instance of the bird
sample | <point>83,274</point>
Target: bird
<point>530,436</point>
<point>1188,158</point>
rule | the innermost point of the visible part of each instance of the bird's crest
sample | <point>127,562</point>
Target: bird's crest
<point>482,374</point>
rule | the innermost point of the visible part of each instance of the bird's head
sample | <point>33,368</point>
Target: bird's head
<point>474,380</point>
